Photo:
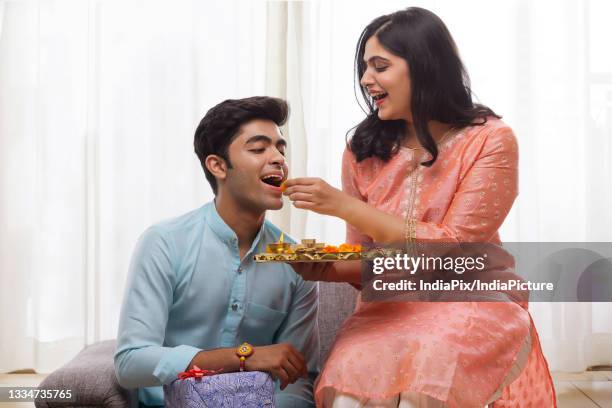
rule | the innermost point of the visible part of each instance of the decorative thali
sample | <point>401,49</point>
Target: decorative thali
<point>309,250</point>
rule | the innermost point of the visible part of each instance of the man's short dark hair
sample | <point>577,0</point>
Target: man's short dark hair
<point>219,127</point>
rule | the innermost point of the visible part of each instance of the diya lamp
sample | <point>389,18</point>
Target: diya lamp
<point>278,247</point>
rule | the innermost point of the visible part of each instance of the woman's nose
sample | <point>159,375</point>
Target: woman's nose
<point>366,80</point>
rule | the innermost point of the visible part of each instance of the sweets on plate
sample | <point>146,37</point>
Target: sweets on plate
<point>309,250</point>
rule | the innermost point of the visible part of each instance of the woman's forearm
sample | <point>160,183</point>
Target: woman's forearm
<point>380,226</point>
<point>349,271</point>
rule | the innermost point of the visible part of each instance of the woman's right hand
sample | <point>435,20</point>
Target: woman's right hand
<point>314,194</point>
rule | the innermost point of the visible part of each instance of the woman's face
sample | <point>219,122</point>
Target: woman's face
<point>387,80</point>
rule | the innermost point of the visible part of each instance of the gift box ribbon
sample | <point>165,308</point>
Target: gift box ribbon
<point>196,372</point>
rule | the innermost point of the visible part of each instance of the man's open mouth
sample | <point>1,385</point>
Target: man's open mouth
<point>273,179</point>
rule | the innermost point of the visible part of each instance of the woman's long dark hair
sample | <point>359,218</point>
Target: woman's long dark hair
<point>440,84</point>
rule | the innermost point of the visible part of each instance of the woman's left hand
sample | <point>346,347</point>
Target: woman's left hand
<point>314,194</point>
<point>315,271</point>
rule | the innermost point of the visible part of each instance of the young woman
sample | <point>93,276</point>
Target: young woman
<point>426,164</point>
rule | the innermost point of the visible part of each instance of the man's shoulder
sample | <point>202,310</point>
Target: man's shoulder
<point>182,223</point>
<point>176,233</point>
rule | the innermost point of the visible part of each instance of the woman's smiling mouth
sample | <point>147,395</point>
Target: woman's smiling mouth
<point>379,97</point>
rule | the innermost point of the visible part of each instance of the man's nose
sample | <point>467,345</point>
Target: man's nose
<point>278,158</point>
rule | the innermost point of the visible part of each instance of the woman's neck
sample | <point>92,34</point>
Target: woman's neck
<point>438,131</point>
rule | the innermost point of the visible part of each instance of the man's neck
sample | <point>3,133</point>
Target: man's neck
<point>245,222</point>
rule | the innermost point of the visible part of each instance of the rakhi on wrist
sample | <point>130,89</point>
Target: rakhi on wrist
<point>244,351</point>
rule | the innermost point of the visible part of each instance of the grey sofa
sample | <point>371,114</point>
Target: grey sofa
<point>91,374</point>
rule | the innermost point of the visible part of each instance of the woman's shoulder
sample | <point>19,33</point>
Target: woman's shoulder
<point>492,127</point>
<point>492,135</point>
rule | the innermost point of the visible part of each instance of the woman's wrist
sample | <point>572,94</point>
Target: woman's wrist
<point>347,207</point>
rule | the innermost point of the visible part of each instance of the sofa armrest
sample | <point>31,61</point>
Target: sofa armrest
<point>91,378</point>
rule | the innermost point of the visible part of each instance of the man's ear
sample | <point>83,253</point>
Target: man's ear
<point>216,165</point>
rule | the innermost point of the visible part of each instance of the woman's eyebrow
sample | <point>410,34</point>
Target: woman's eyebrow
<point>376,58</point>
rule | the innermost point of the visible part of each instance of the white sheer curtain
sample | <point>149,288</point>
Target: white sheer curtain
<point>98,104</point>
<point>99,100</point>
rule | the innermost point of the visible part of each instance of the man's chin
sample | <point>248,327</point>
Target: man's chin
<point>263,204</point>
<point>275,205</point>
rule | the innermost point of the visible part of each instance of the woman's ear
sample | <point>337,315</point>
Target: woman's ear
<point>216,165</point>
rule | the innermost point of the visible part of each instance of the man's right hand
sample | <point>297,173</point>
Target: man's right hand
<point>282,361</point>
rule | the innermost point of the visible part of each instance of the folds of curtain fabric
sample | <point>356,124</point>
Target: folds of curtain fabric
<point>284,79</point>
<point>1,18</point>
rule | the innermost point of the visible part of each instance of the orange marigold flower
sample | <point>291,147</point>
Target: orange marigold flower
<point>350,248</point>
<point>330,249</point>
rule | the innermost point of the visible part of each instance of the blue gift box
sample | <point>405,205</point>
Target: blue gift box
<point>252,389</point>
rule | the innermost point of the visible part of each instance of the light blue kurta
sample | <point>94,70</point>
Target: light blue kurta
<point>188,291</point>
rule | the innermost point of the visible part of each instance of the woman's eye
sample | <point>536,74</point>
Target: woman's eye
<point>380,69</point>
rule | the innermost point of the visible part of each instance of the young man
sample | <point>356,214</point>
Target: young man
<point>194,293</point>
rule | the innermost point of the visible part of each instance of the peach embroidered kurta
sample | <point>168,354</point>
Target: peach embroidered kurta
<point>456,352</point>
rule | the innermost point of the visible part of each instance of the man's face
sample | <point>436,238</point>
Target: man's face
<point>257,156</point>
